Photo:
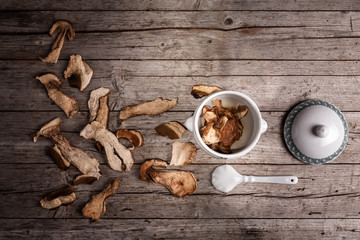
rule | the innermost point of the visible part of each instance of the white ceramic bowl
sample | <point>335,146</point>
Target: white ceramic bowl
<point>253,123</point>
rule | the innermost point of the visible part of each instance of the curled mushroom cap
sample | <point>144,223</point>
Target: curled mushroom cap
<point>148,164</point>
<point>180,183</point>
<point>96,207</point>
<point>182,153</point>
<point>157,106</point>
<point>199,91</point>
<point>67,104</point>
<point>172,130</point>
<point>63,28</point>
<point>78,72</point>
<point>57,198</point>
<point>133,136</point>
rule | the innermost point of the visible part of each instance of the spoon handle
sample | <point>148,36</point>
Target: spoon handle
<point>272,179</point>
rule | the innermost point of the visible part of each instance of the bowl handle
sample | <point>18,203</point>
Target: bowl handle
<point>189,124</point>
<point>264,125</point>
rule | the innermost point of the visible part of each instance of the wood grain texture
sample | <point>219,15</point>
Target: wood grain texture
<point>249,229</point>
<point>256,44</point>
<point>255,5</point>
<point>337,23</point>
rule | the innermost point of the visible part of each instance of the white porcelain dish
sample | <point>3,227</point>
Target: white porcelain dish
<point>253,123</point>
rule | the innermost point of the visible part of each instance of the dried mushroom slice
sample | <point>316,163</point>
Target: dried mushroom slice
<point>157,106</point>
<point>96,207</point>
<point>182,153</point>
<point>133,136</point>
<point>67,104</point>
<point>113,148</point>
<point>172,130</point>
<point>58,157</point>
<point>209,134</point>
<point>78,72</point>
<point>94,101</point>
<point>240,111</point>
<point>199,91</point>
<point>86,164</point>
<point>62,28</point>
<point>209,115</point>
<point>103,112</point>
<point>180,183</point>
<point>63,196</point>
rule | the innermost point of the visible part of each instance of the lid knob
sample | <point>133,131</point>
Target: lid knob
<point>322,131</point>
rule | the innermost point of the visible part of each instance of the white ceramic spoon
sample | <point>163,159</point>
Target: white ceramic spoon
<point>225,178</point>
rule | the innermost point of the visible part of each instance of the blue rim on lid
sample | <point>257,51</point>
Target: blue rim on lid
<point>289,140</point>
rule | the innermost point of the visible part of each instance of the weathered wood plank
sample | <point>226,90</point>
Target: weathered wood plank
<point>249,229</point>
<point>271,93</point>
<point>185,68</point>
<point>314,181</point>
<point>102,21</point>
<point>263,5</point>
<point>257,43</point>
<point>155,205</point>
<point>17,126</point>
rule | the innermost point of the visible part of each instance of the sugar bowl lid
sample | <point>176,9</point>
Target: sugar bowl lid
<point>315,132</point>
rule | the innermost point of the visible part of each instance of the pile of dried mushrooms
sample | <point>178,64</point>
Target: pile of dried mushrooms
<point>79,73</point>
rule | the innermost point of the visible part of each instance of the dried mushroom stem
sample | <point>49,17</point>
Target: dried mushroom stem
<point>103,112</point>
<point>182,153</point>
<point>64,28</point>
<point>111,144</point>
<point>133,136</point>
<point>58,157</point>
<point>57,198</point>
<point>96,207</point>
<point>157,106</point>
<point>78,72</point>
<point>94,101</point>
<point>67,104</point>
<point>172,130</point>
<point>86,164</point>
<point>180,183</point>
<point>199,91</point>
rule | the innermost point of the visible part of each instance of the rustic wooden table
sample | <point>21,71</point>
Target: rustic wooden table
<point>278,52</point>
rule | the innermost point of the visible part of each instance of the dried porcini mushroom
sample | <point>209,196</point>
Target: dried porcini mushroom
<point>58,158</point>
<point>172,130</point>
<point>222,126</point>
<point>154,107</point>
<point>63,196</point>
<point>78,72</point>
<point>103,113</point>
<point>86,164</point>
<point>133,136</point>
<point>53,84</point>
<point>64,28</point>
<point>182,153</point>
<point>209,134</point>
<point>180,183</point>
<point>113,148</point>
<point>96,207</point>
<point>94,101</point>
<point>199,91</point>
